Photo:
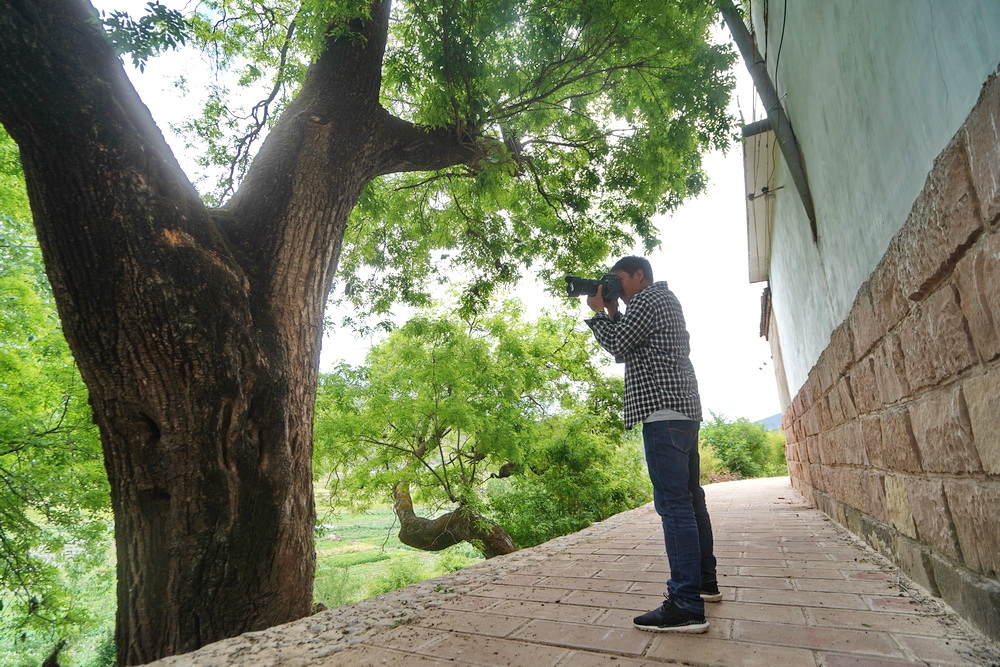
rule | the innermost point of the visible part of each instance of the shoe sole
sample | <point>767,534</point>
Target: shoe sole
<point>691,629</point>
<point>711,597</point>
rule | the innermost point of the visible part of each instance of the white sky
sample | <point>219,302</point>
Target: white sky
<point>703,255</point>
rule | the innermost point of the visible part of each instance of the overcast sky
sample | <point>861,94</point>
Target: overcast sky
<point>703,255</point>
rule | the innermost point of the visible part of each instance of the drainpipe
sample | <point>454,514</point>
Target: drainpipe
<point>772,104</point>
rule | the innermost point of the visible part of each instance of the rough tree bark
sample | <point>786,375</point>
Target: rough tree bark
<point>197,331</point>
<point>459,525</point>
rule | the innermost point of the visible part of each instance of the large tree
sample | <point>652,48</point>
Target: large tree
<point>539,133</point>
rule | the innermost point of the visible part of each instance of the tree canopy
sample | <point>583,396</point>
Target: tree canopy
<point>582,119</point>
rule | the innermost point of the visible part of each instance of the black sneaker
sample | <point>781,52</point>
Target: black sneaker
<point>668,618</point>
<point>710,592</point>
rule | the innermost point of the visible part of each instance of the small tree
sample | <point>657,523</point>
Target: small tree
<point>740,445</point>
<point>443,406</point>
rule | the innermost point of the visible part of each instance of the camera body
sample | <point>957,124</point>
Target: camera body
<point>576,286</point>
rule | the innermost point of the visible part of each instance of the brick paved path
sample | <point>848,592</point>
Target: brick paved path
<point>797,591</point>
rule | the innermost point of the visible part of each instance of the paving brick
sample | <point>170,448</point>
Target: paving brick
<point>707,651</point>
<point>941,651</point>
<point>798,573</point>
<point>490,651</point>
<point>614,600</point>
<point>615,640</point>
<point>896,603</point>
<point>842,660</point>
<point>366,656</point>
<point>578,584</point>
<point>547,610</point>
<point>912,624</point>
<point>844,586</point>
<point>801,598</point>
<point>770,613</point>
<point>559,571</point>
<point>588,659</point>
<point>521,593</point>
<point>494,625</point>
<point>820,638</point>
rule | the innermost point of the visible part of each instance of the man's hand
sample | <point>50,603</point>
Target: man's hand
<point>599,305</point>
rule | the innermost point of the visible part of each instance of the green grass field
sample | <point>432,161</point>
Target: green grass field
<point>360,555</point>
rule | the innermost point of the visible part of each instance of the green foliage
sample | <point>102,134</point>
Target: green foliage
<point>743,448</point>
<point>444,404</point>
<point>54,525</point>
<point>448,406</point>
<point>589,118</point>
<point>578,476</point>
<point>161,29</point>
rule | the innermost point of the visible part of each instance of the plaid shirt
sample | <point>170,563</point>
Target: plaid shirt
<point>652,340</point>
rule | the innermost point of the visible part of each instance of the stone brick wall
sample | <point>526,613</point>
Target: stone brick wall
<point>896,432</point>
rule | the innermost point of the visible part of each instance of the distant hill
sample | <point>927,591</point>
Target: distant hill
<point>772,423</point>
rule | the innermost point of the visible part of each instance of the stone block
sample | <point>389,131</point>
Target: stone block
<point>866,328</point>
<point>908,555</point>
<point>864,387</point>
<point>982,398</point>
<point>851,443</point>
<point>943,433</point>
<point>889,304</point>
<point>810,421</point>
<point>823,416</point>
<point>897,451</point>
<point>934,340</point>
<point>975,597</point>
<point>834,408</point>
<point>976,278</point>
<point>890,370</point>
<point>982,141</point>
<point>942,224</point>
<point>813,452</point>
<point>828,449</point>
<point>843,389</point>
<point>898,506</point>
<point>973,508</point>
<point>871,438</point>
<point>840,351</point>
<point>931,516</point>
<point>875,502</point>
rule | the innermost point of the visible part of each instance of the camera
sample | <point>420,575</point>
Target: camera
<point>576,286</point>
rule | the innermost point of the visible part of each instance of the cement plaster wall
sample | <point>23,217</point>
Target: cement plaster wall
<point>874,89</point>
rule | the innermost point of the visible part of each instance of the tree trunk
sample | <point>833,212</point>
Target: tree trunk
<point>197,332</point>
<point>459,525</point>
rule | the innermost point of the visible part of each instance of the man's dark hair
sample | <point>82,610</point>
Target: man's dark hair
<point>631,264</point>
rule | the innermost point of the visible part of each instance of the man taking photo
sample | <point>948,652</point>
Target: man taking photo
<point>661,393</point>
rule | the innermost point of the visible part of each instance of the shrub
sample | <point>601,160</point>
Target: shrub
<point>744,448</point>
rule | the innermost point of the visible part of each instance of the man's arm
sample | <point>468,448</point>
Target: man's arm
<point>620,337</point>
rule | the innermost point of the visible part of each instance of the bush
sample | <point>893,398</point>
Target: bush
<point>580,477</point>
<point>743,448</point>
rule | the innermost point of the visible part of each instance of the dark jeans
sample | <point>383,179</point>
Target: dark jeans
<point>672,459</point>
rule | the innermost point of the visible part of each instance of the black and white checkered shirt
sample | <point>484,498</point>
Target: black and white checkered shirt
<point>652,340</point>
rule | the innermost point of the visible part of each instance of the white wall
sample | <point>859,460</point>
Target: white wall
<point>875,89</point>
